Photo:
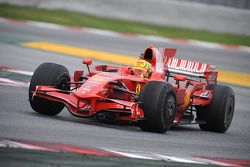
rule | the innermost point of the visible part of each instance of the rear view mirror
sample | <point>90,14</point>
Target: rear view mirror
<point>87,61</point>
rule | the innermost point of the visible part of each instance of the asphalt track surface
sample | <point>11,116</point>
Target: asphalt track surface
<point>18,121</point>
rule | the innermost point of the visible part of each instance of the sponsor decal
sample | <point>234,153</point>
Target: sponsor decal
<point>87,107</point>
<point>185,65</point>
<point>138,88</point>
<point>205,94</point>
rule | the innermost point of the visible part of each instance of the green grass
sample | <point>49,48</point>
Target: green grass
<point>84,20</point>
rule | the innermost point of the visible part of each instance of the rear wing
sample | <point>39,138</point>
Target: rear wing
<point>163,61</point>
<point>193,69</point>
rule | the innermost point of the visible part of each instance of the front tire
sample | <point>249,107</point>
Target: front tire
<point>219,113</point>
<point>158,101</point>
<point>48,74</point>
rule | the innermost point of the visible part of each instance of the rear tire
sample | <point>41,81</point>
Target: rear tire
<point>219,113</point>
<point>48,74</point>
<point>159,106</point>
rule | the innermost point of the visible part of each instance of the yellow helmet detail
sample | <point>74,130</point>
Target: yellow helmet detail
<point>142,68</point>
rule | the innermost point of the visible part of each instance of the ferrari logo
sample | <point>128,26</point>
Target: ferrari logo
<point>138,88</point>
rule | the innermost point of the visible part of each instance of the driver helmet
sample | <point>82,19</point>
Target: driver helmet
<point>142,68</point>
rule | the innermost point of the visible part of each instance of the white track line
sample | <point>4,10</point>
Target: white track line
<point>28,73</point>
<point>24,145</point>
<point>130,155</point>
<point>44,25</point>
<point>177,159</point>
<point>9,82</point>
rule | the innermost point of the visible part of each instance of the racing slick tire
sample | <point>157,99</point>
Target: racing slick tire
<point>158,101</point>
<point>48,74</point>
<point>219,113</point>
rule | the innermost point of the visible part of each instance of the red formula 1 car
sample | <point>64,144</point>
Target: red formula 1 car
<point>175,91</point>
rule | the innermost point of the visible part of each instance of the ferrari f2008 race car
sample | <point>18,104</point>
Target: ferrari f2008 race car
<point>157,92</point>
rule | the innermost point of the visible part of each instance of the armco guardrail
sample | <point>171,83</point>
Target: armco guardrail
<point>163,12</point>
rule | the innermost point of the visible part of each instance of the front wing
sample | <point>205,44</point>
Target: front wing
<point>89,105</point>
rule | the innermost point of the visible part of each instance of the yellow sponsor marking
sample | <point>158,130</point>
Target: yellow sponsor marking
<point>138,88</point>
<point>230,77</point>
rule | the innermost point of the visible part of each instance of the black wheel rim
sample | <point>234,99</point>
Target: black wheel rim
<point>170,106</point>
<point>229,111</point>
<point>62,84</point>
